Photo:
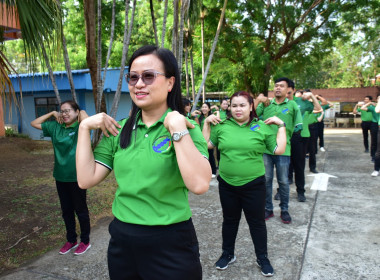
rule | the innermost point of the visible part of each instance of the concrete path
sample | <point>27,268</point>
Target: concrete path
<point>335,234</point>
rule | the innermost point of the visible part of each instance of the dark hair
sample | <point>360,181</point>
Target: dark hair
<point>289,82</point>
<point>174,99</point>
<point>307,90</point>
<point>369,97</point>
<point>72,103</point>
<point>201,117</point>
<point>245,94</point>
<point>186,102</point>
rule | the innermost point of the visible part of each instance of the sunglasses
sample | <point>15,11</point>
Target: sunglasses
<point>147,77</point>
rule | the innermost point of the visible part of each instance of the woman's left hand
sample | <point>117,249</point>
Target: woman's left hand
<point>174,122</point>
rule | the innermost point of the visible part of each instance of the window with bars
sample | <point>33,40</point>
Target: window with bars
<point>44,105</point>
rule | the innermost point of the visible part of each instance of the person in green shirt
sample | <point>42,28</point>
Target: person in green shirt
<point>320,124</point>
<point>242,140</point>
<point>366,118</point>
<point>375,173</point>
<point>288,112</point>
<point>64,134</point>
<point>157,155</point>
<point>370,107</point>
<point>202,114</point>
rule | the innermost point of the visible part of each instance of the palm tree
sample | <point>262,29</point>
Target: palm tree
<point>40,23</point>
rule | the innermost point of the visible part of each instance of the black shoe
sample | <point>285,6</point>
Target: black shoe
<point>266,267</point>
<point>277,196</point>
<point>268,214</point>
<point>301,197</point>
<point>285,217</point>
<point>224,260</point>
<point>372,159</point>
<point>314,171</point>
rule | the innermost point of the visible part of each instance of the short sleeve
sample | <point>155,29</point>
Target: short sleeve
<point>214,135</point>
<point>198,139</point>
<point>271,138</point>
<point>48,128</point>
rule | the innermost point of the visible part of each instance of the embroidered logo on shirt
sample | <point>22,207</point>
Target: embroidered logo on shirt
<point>72,133</point>
<point>255,127</point>
<point>285,111</point>
<point>162,144</point>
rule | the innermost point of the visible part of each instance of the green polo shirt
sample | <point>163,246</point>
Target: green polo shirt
<point>366,116</point>
<point>306,108</point>
<point>375,116</point>
<point>222,114</point>
<point>288,112</point>
<point>150,189</point>
<point>241,149</point>
<point>64,140</point>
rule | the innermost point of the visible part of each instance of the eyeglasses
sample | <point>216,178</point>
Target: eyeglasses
<point>148,77</point>
<point>65,112</point>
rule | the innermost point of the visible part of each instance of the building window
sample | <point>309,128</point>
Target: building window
<point>44,105</point>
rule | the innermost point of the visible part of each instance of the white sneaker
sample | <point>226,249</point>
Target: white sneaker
<point>213,176</point>
<point>375,173</point>
<point>322,149</point>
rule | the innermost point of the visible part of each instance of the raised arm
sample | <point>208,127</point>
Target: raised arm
<point>212,119</point>
<point>37,123</point>
<point>281,134</point>
<point>90,173</point>
<point>194,167</point>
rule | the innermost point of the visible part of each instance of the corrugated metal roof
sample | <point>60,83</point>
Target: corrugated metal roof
<point>57,73</point>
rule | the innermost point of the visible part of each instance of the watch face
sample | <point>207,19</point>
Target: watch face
<point>176,136</point>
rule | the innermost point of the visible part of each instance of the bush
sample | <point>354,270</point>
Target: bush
<point>9,132</point>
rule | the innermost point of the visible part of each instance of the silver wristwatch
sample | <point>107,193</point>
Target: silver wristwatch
<point>178,135</point>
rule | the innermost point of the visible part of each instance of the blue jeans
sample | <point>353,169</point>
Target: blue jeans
<point>282,170</point>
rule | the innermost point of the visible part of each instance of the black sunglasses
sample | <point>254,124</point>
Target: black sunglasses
<point>147,77</point>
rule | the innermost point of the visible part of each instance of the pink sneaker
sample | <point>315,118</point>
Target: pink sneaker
<point>82,248</point>
<point>67,247</point>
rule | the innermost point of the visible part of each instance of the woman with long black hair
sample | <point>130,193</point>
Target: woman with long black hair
<point>157,156</point>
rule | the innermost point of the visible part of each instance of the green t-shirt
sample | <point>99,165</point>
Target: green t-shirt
<point>150,189</point>
<point>306,108</point>
<point>64,140</point>
<point>241,149</point>
<point>375,116</point>
<point>222,114</point>
<point>288,112</point>
<point>366,116</point>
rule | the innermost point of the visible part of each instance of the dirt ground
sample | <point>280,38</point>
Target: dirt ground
<point>30,217</point>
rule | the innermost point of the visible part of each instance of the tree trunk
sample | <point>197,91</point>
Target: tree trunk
<point>211,53</point>
<point>187,66</point>
<point>175,29</point>
<point>184,9</point>
<point>67,62</point>
<point>51,74</point>
<point>203,55</point>
<point>153,21</point>
<point>164,24</point>
<point>89,17</point>
<point>192,74</point>
<point>127,38</point>
<point>99,89</point>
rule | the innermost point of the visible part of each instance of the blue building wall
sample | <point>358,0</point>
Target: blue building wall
<point>39,85</point>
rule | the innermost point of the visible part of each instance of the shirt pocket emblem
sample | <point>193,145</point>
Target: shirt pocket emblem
<point>162,144</point>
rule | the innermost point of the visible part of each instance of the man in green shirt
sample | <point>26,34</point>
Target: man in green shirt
<point>288,112</point>
<point>366,120</point>
<point>370,107</point>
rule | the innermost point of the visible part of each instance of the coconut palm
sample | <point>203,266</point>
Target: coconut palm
<point>40,24</point>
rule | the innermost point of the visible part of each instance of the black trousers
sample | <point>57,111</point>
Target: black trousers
<point>366,127</point>
<point>321,128</point>
<point>313,145</point>
<point>377,155</point>
<point>73,201</point>
<point>374,130</point>
<point>153,252</point>
<point>297,160</point>
<point>211,159</point>
<point>251,199</point>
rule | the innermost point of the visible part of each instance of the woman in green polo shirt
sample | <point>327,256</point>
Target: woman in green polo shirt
<point>242,139</point>
<point>157,156</point>
<point>64,135</point>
